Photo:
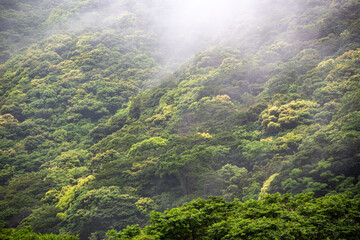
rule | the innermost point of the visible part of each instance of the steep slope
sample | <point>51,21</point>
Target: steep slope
<point>93,140</point>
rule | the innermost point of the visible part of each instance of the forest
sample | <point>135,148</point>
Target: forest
<point>153,119</point>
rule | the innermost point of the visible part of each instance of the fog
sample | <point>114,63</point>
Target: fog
<point>182,27</point>
<point>190,26</point>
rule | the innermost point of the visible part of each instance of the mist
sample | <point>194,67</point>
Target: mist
<point>110,109</point>
<point>183,27</point>
<point>189,26</point>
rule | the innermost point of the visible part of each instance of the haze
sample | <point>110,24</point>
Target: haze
<point>184,27</point>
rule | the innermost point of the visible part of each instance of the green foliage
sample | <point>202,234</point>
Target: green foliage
<point>266,185</point>
<point>256,150</point>
<point>99,126</point>
<point>28,234</point>
<point>97,209</point>
<point>288,116</point>
<point>231,173</point>
<point>147,145</point>
<point>275,216</point>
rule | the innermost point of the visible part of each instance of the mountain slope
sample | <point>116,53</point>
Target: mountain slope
<point>96,134</point>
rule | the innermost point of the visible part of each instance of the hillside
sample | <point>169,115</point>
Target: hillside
<point>112,109</point>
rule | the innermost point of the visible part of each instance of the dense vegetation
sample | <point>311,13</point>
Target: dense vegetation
<point>274,217</point>
<point>97,130</point>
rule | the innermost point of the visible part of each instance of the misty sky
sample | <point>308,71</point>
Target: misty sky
<point>189,26</point>
<point>184,27</point>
